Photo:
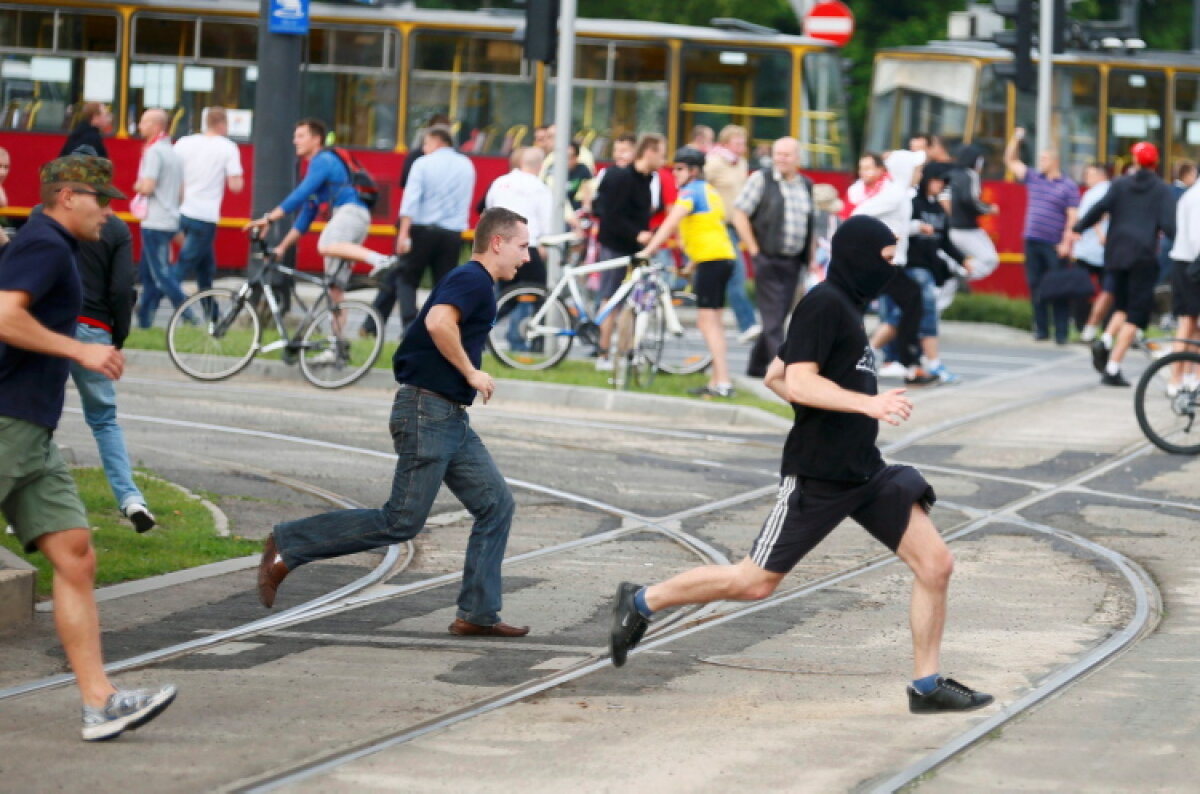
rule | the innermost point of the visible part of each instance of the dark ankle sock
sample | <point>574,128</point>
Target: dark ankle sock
<point>926,685</point>
<point>639,601</point>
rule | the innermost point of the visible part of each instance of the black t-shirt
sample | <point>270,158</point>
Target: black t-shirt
<point>40,262</point>
<point>418,362</point>
<point>827,329</point>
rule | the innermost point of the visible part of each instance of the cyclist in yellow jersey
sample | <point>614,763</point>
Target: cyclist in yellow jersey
<point>699,215</point>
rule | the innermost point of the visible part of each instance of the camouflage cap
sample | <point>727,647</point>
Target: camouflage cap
<point>95,172</point>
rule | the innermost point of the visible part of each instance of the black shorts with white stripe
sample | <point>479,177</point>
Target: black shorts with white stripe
<point>807,510</point>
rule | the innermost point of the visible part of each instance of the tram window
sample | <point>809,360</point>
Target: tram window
<point>920,96</point>
<point>619,88</point>
<point>824,132</point>
<point>360,108</point>
<point>991,116</point>
<point>729,85</point>
<point>346,47</point>
<point>1136,99</point>
<point>184,90</point>
<point>229,41</point>
<point>1185,138</point>
<point>483,84</point>
<point>1076,117</point>
<point>175,38</point>
<point>51,63</point>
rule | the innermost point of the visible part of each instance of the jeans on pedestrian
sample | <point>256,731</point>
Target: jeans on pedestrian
<point>158,276</point>
<point>1040,259</point>
<point>735,291</point>
<point>434,443</point>
<point>98,395</point>
<point>196,259</point>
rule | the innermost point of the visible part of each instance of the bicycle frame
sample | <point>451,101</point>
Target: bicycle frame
<point>260,281</point>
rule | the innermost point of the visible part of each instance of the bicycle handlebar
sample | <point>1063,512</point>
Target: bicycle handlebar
<point>566,238</point>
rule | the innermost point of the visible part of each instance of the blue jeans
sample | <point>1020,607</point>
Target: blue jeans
<point>196,258</point>
<point>735,291</point>
<point>434,443</point>
<point>99,397</point>
<point>158,277</point>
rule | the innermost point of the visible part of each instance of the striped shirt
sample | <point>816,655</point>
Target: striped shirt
<point>1049,200</point>
<point>439,190</point>
<point>796,202</point>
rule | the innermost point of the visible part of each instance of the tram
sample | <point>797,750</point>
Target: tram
<point>376,74</point>
<point>1103,102</point>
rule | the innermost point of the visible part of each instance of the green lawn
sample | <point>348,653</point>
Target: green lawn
<point>184,538</point>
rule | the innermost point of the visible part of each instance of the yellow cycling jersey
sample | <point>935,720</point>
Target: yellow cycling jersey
<point>705,238</point>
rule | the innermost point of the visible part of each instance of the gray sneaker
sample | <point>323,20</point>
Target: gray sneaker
<point>125,710</point>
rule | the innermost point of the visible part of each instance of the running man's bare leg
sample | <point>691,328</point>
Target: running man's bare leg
<point>708,321</point>
<point>75,615</point>
<point>924,551</point>
<point>744,581</point>
<point>1122,342</point>
<point>884,334</point>
<point>358,253</point>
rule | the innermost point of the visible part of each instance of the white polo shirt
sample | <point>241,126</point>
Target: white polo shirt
<point>208,160</point>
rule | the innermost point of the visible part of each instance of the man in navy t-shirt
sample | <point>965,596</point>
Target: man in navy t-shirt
<point>40,299</point>
<point>437,367</point>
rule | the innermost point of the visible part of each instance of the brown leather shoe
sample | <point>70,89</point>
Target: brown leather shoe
<point>464,629</point>
<point>271,572</point>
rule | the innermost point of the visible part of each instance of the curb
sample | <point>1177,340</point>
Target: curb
<point>18,585</point>
<point>530,391</point>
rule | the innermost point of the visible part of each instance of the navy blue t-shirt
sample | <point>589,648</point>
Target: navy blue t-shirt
<point>418,362</point>
<point>41,262</point>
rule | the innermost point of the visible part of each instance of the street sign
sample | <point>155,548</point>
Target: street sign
<point>289,17</point>
<point>831,21</point>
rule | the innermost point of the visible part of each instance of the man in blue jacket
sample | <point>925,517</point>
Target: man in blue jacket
<point>327,181</point>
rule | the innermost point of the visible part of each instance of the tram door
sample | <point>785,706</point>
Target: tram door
<point>751,88</point>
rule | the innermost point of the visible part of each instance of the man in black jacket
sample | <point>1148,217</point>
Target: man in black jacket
<point>106,272</point>
<point>93,117</point>
<point>1140,207</point>
<point>624,196</point>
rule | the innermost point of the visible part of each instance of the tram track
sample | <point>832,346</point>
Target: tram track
<point>685,625</point>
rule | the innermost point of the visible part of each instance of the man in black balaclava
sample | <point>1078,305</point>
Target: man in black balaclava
<point>832,470</point>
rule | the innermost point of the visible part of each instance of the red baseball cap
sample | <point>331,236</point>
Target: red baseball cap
<point>1145,154</point>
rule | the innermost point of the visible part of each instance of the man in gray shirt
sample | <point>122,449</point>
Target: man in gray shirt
<point>160,185</point>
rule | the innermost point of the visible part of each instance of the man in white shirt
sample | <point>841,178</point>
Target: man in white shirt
<point>521,191</point>
<point>211,163</point>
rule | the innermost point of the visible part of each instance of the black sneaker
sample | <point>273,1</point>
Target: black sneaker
<point>140,515</point>
<point>949,695</point>
<point>628,625</point>
<point>1099,355</point>
<point>1114,380</point>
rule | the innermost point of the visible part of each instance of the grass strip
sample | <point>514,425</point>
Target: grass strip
<point>184,538</point>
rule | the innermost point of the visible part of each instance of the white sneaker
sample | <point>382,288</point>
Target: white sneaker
<point>325,357</point>
<point>388,264</point>
<point>750,334</point>
<point>140,515</point>
<point>1087,334</point>
<point>893,369</point>
<point>604,364</point>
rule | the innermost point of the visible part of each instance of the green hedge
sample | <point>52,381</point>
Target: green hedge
<point>978,307</point>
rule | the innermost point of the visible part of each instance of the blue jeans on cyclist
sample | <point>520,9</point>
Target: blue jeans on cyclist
<point>158,276</point>
<point>434,444</point>
<point>98,396</point>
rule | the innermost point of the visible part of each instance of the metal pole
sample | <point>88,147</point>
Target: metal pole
<point>564,74</point>
<point>1045,74</point>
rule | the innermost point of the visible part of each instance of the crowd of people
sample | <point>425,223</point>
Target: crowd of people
<point>906,232</point>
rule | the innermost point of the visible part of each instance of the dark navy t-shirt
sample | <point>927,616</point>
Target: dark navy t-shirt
<point>41,262</point>
<point>418,362</point>
<point>827,329</point>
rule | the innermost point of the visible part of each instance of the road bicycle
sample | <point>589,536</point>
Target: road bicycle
<point>1169,420</point>
<point>535,328</point>
<point>216,333</point>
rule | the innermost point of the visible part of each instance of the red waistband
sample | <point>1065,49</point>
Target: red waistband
<point>95,323</point>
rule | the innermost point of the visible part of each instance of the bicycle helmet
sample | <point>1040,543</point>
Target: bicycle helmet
<point>1145,154</point>
<point>689,155</point>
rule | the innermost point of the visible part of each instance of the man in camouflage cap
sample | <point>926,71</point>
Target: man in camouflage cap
<point>40,300</point>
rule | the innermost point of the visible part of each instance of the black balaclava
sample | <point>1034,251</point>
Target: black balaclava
<point>856,264</point>
<point>968,156</point>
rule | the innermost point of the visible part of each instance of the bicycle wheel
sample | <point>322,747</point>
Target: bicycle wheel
<point>213,334</point>
<point>649,334</point>
<point>1169,422</point>
<point>517,341</point>
<point>685,353</point>
<point>332,351</point>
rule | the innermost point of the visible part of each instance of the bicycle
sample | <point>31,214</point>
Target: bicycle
<point>229,336</point>
<point>1169,421</point>
<point>535,328</point>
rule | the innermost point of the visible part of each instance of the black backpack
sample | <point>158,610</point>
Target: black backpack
<point>360,179</point>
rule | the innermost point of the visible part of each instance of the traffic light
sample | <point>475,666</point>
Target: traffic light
<point>1020,40</point>
<point>541,30</point>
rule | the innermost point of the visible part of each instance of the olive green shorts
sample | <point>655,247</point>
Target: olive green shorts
<point>37,492</point>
